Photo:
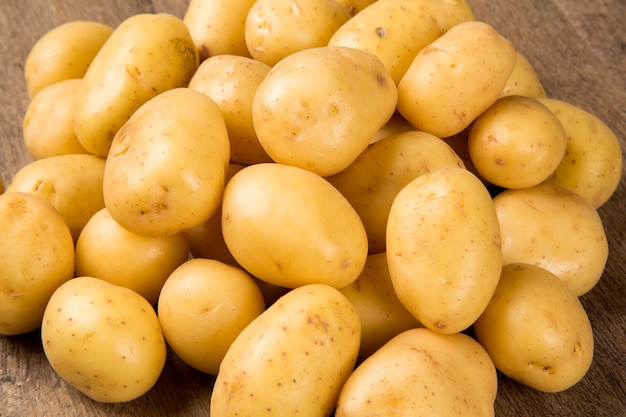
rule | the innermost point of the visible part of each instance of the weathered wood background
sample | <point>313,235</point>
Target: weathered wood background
<point>578,49</point>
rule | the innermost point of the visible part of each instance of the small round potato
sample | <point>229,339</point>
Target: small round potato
<point>103,339</point>
<point>516,143</point>
<point>203,307</point>
<point>36,257</point>
<point>536,330</point>
<point>64,52</point>
<point>140,263</point>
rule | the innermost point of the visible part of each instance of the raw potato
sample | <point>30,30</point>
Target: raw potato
<point>516,143</point>
<point>593,165</point>
<point>141,264</point>
<point>289,227</point>
<point>381,313</point>
<point>422,373</point>
<point>103,340</point>
<point>536,330</point>
<point>396,30</point>
<point>146,54</point>
<point>231,82</point>
<point>203,307</point>
<point>217,27</point>
<point>48,124</point>
<point>323,126</point>
<point>438,217</point>
<point>63,53</point>
<point>275,29</point>
<point>374,179</point>
<point>167,165</point>
<point>36,257</point>
<point>455,78</point>
<point>556,229</point>
<point>71,183</point>
<point>292,360</point>
<point>524,80</point>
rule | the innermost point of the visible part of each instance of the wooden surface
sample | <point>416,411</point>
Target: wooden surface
<point>578,49</point>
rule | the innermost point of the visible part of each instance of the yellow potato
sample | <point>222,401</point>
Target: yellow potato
<point>381,313</point>
<point>48,124</point>
<point>217,27</point>
<point>36,257</point>
<point>455,78</point>
<point>556,229</point>
<point>593,165</point>
<point>141,264</point>
<point>292,360</point>
<point>231,82</point>
<point>145,55</point>
<point>536,330</point>
<point>374,179</point>
<point>289,227</point>
<point>322,126</point>
<point>516,143</point>
<point>355,6</point>
<point>443,248</point>
<point>63,52</point>
<point>422,373</point>
<point>71,183</point>
<point>396,30</point>
<point>203,307</point>
<point>524,80</point>
<point>275,29</point>
<point>167,165</point>
<point>103,340</point>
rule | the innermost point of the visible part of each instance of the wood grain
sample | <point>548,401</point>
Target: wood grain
<point>578,49</point>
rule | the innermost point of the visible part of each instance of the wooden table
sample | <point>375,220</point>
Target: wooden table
<point>578,49</point>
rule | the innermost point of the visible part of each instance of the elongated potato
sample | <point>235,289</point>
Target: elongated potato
<point>145,55</point>
<point>455,78</point>
<point>292,360</point>
<point>436,218</point>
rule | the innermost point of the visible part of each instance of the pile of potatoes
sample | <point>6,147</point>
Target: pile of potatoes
<point>332,206</point>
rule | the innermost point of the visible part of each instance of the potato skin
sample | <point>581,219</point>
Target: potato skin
<point>36,257</point>
<point>292,360</point>
<point>102,339</point>
<point>422,373</point>
<point>444,215</point>
<point>536,330</point>
<point>146,54</point>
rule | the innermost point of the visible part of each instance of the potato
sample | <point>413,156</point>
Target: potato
<point>48,124</point>
<point>167,165</point>
<point>141,264</point>
<point>592,166</point>
<point>275,29</point>
<point>396,30</point>
<point>217,27</point>
<point>443,248</point>
<point>524,80</point>
<point>36,257</point>
<point>422,373</point>
<point>144,56</point>
<point>516,143</point>
<point>374,179</point>
<point>102,339</point>
<point>455,78</point>
<point>71,183</point>
<point>64,52</point>
<point>231,82</point>
<point>355,6</point>
<point>292,360</point>
<point>289,227</point>
<point>536,330</point>
<point>381,313</point>
<point>556,229</point>
<point>203,307</point>
<point>318,109</point>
